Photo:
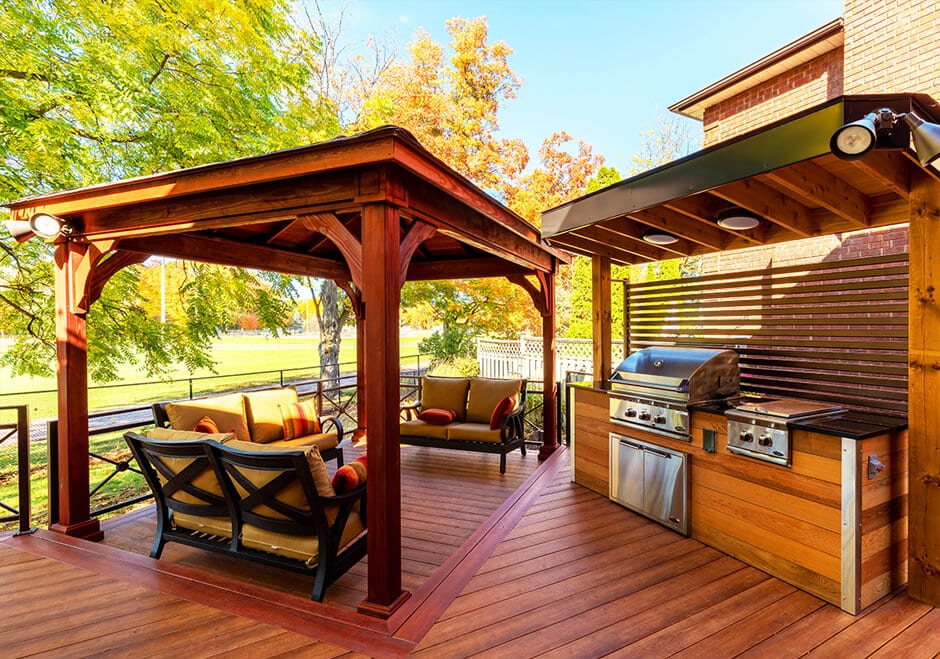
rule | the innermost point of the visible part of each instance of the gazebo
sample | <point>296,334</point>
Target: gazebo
<point>371,212</point>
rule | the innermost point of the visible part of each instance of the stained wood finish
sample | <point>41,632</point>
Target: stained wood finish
<point>832,331</point>
<point>601,314</point>
<point>785,521</point>
<point>924,418</point>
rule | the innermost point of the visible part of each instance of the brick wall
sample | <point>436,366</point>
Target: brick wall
<point>891,46</point>
<point>809,84</point>
<point>853,245</point>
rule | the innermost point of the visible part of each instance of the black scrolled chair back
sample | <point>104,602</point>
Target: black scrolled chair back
<point>171,468</point>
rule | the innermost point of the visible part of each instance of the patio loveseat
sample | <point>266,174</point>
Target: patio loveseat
<point>274,417</point>
<point>467,414</point>
<point>268,504</point>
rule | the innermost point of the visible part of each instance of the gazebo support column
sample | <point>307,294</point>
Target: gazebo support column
<point>924,388</point>
<point>549,440</point>
<point>72,373</point>
<point>381,296</point>
<point>601,316</point>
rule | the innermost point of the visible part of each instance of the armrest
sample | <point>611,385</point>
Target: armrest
<point>345,502</point>
<point>335,422</point>
<point>409,412</point>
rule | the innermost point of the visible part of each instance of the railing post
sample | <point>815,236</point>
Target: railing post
<point>190,388</point>
<point>282,377</point>
<point>23,467</point>
<point>52,450</point>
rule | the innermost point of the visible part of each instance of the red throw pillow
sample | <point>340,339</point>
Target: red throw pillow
<point>206,425</point>
<point>349,477</point>
<point>503,407</point>
<point>437,416</point>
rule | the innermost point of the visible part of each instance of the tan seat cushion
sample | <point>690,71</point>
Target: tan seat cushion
<point>485,394</point>
<point>227,411</point>
<point>170,434</point>
<point>297,547</point>
<point>476,432</point>
<point>323,441</point>
<point>221,526</point>
<point>264,415</point>
<point>418,428</point>
<point>445,393</point>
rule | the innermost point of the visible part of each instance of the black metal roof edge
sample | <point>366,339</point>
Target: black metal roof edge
<point>799,137</point>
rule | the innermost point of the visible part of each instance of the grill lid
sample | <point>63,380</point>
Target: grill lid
<point>693,373</point>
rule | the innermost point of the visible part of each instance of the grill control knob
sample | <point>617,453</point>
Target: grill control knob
<point>659,418</point>
<point>631,412</point>
<point>746,436</point>
<point>645,415</point>
<point>765,440</point>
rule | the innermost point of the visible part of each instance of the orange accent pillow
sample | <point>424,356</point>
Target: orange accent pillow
<point>350,476</point>
<point>437,416</point>
<point>300,419</point>
<point>207,425</point>
<point>503,407</point>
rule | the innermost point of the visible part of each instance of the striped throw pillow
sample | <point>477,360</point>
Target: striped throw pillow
<point>300,419</point>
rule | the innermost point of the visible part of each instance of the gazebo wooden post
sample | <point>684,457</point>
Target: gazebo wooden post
<point>381,296</point>
<point>549,441</point>
<point>924,385</point>
<point>601,316</point>
<point>72,373</point>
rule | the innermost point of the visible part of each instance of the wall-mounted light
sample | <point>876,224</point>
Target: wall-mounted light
<point>855,139</point>
<point>655,237</point>
<point>44,225</point>
<point>738,219</point>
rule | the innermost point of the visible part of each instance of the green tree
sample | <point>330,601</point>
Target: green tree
<point>93,91</point>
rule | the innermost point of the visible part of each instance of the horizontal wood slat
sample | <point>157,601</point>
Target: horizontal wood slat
<point>833,331</point>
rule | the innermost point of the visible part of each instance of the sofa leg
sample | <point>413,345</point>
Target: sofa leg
<point>502,463</point>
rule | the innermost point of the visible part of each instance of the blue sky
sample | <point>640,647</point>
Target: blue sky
<point>602,69</point>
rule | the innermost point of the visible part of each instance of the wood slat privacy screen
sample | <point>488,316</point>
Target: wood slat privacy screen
<point>834,332</point>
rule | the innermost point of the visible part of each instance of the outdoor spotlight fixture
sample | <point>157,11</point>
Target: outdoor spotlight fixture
<point>855,139</point>
<point>738,219</point>
<point>43,225</point>
<point>655,237</point>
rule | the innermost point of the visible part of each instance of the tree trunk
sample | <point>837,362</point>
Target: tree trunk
<point>331,316</point>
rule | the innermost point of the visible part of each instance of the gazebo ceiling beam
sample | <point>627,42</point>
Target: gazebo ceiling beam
<point>809,180</point>
<point>769,203</point>
<point>463,269</point>
<point>232,253</point>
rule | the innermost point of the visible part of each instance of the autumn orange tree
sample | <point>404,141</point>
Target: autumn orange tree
<point>451,103</point>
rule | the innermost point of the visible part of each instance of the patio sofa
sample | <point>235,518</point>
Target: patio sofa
<point>273,417</point>
<point>467,414</point>
<point>268,504</point>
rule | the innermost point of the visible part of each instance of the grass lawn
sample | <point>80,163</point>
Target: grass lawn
<point>236,358</point>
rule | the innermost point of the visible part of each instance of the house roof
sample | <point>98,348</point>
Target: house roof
<point>785,173</point>
<point>808,47</point>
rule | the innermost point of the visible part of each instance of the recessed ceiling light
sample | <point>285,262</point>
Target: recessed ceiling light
<point>738,219</point>
<point>659,238</point>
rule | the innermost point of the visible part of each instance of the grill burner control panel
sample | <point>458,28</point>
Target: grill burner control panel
<point>762,439</point>
<point>654,416</point>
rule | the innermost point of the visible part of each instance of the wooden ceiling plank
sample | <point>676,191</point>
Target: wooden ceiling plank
<point>680,225</point>
<point>889,167</point>
<point>604,249</point>
<point>703,208</point>
<point>615,228</point>
<point>638,247</point>
<point>826,189</point>
<point>228,252</point>
<point>769,203</point>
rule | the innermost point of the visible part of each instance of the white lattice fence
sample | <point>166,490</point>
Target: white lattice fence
<point>515,358</point>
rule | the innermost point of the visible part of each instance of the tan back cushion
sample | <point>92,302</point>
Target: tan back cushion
<point>169,434</point>
<point>485,394</point>
<point>264,415</point>
<point>228,412</point>
<point>445,393</point>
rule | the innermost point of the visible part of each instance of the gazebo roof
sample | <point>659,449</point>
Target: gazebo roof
<point>269,211</point>
<point>784,173</point>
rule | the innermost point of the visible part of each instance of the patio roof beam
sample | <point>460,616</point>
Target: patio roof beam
<point>810,180</point>
<point>769,203</point>
<point>704,208</point>
<point>890,168</point>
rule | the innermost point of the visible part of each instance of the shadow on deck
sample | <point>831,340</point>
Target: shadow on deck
<point>529,564</point>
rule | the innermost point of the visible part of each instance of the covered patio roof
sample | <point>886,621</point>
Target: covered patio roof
<point>784,173</point>
<point>370,212</point>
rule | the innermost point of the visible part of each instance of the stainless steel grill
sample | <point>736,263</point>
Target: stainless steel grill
<point>653,387</point>
<point>760,429</point>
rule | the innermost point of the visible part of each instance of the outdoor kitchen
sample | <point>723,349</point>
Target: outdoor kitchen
<point>810,492</point>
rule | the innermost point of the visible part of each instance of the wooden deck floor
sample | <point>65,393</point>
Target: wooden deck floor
<point>556,570</point>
